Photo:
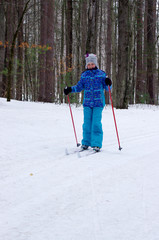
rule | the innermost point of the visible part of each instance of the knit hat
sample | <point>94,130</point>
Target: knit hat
<point>91,58</point>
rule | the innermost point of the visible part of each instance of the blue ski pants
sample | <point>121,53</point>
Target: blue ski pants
<point>92,127</point>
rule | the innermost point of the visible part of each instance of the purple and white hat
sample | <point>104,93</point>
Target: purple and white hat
<point>91,58</point>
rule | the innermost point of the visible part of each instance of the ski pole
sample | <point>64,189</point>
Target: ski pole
<point>114,118</point>
<point>78,144</point>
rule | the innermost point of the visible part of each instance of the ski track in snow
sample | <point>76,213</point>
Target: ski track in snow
<point>46,195</point>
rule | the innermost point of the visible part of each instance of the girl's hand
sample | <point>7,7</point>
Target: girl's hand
<point>67,90</point>
<point>108,81</point>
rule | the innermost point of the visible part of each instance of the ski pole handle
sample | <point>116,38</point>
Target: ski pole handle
<point>114,118</point>
<point>78,144</point>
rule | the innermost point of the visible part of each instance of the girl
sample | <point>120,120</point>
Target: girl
<point>93,81</point>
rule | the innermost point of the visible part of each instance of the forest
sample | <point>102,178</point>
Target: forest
<point>43,46</point>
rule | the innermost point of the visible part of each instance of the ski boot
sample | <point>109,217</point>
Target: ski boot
<point>84,147</point>
<point>96,149</point>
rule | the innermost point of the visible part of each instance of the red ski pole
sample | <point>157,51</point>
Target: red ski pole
<point>78,144</point>
<point>114,118</point>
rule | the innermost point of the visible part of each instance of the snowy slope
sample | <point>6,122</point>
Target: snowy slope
<point>46,195</point>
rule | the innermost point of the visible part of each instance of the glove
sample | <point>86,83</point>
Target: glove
<point>108,81</point>
<point>67,90</point>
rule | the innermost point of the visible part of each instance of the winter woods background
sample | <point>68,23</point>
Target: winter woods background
<point>43,43</point>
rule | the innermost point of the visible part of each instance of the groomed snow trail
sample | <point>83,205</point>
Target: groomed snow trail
<point>46,195</point>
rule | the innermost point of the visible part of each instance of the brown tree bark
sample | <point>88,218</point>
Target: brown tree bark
<point>49,77</point>
<point>100,33</point>
<point>151,57</point>
<point>11,57</point>
<point>8,42</point>
<point>69,45</point>
<point>20,55</point>
<point>83,30</point>
<point>61,87</point>
<point>109,38</point>
<point>42,56</point>
<point>108,44</point>
<point>122,101</point>
<point>69,36</point>
<point>139,77</point>
<point>145,47</point>
<point>93,12</point>
<point>114,50</point>
<point>2,40</point>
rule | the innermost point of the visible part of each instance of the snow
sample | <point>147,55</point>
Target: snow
<point>46,195</point>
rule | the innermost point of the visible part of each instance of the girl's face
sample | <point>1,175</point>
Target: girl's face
<point>91,65</point>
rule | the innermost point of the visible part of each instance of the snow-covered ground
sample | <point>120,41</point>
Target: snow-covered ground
<point>46,195</point>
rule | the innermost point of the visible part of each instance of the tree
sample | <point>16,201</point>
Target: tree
<point>114,48</point>
<point>42,57</point>
<point>2,40</point>
<point>42,49</point>
<point>83,30</point>
<point>20,55</point>
<point>61,85</point>
<point>9,27</point>
<point>69,45</point>
<point>122,83</point>
<point>49,78</point>
<point>109,37</point>
<point>47,81</point>
<point>69,36</point>
<point>109,42</point>
<point>151,57</point>
<point>91,45</point>
<point>11,58</point>
<point>139,77</point>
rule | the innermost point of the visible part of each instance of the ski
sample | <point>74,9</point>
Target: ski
<point>86,153</point>
<point>80,152</point>
<point>73,151</point>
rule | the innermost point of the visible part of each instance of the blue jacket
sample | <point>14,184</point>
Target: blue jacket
<point>93,83</point>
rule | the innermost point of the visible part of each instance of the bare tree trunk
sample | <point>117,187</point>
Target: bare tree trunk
<point>109,38</point>
<point>2,40</point>
<point>8,41</point>
<point>26,85</point>
<point>35,54</point>
<point>108,44</point>
<point>11,58</point>
<point>122,82</point>
<point>132,52</point>
<point>49,78</point>
<point>139,77</point>
<point>114,50</point>
<point>100,34</point>
<point>62,54</point>
<point>69,45</point>
<point>83,30</point>
<point>42,57</point>
<point>69,36</point>
<point>84,26</point>
<point>93,12</point>
<point>77,72</point>
<point>145,50</point>
<point>151,58</point>
<point>157,78</point>
<point>20,55</point>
